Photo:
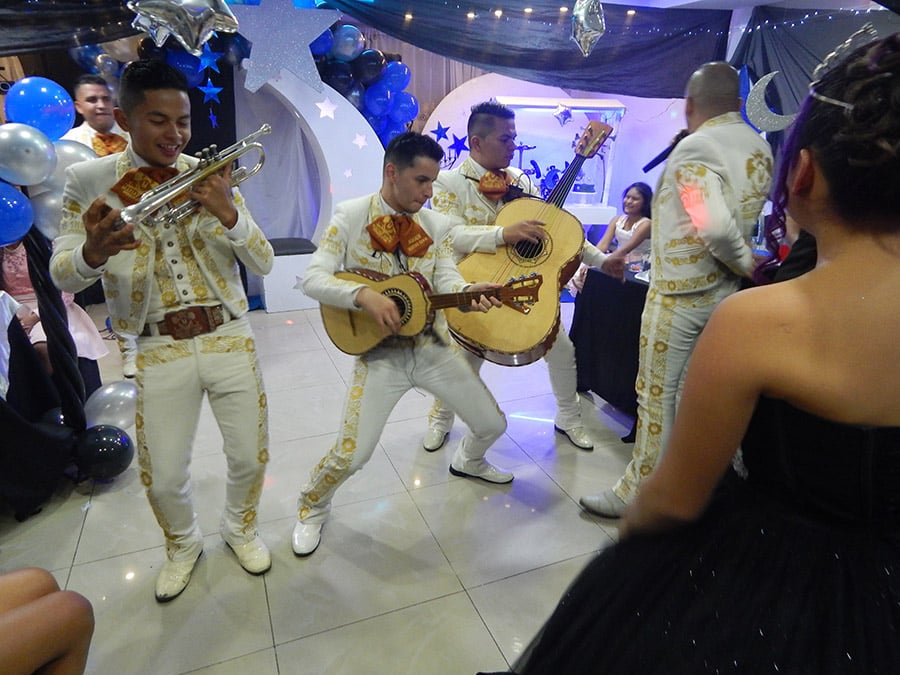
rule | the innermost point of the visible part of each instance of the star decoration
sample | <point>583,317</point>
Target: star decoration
<point>275,48</point>
<point>210,92</point>
<point>192,22</point>
<point>440,132</point>
<point>326,108</point>
<point>348,173</point>
<point>208,58</point>
<point>360,141</point>
<point>213,120</point>
<point>459,144</point>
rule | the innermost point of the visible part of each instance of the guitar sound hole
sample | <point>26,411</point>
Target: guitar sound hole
<point>403,303</point>
<point>528,250</point>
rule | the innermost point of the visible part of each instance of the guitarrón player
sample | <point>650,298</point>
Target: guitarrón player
<point>475,191</point>
<point>389,232</point>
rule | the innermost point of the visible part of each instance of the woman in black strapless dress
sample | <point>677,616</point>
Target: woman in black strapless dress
<point>793,567</point>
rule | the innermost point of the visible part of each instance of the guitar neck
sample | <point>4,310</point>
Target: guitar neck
<point>561,190</point>
<point>461,300</point>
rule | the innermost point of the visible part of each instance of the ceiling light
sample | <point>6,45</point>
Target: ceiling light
<point>631,12</point>
<point>408,16</point>
<point>563,10</point>
<point>498,13</point>
<point>528,10</point>
<point>470,15</point>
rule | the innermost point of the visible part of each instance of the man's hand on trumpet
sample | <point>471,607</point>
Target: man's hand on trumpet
<point>214,194</point>
<point>105,234</point>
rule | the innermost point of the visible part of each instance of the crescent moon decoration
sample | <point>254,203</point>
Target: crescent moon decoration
<point>759,113</point>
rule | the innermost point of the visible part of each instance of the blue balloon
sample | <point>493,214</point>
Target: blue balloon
<point>86,56</point>
<point>378,99</point>
<point>396,75</point>
<point>377,122</point>
<point>405,107</point>
<point>322,44</point>
<point>188,64</point>
<point>391,129</point>
<point>42,104</point>
<point>16,215</point>
<point>348,43</point>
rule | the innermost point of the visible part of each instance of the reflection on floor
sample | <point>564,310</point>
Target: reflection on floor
<point>419,572</point>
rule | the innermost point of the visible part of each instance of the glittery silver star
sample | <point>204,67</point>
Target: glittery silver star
<point>275,48</point>
<point>360,141</point>
<point>192,22</point>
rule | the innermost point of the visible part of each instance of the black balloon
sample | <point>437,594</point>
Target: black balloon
<point>368,66</point>
<point>147,49</point>
<point>103,451</point>
<point>338,76</point>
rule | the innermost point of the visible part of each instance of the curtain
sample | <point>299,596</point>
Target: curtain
<point>650,54</point>
<point>794,42</point>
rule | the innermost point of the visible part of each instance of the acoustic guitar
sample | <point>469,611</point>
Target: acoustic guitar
<point>355,332</point>
<point>511,338</point>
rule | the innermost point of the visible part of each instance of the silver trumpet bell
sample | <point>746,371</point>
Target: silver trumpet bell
<point>153,209</point>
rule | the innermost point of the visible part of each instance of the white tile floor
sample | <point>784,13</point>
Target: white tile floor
<point>418,572</point>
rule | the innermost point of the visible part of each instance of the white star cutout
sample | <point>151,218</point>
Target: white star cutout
<point>360,141</point>
<point>348,173</point>
<point>274,47</point>
<point>326,108</point>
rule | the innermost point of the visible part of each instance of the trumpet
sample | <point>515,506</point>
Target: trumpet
<point>151,209</point>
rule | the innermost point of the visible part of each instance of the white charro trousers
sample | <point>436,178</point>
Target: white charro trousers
<point>380,378</point>
<point>172,377</point>
<point>670,326</point>
<point>560,359</point>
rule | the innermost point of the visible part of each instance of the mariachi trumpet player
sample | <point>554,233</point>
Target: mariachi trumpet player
<point>175,284</point>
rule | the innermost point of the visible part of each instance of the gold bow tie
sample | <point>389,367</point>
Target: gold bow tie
<point>108,144</point>
<point>136,182</point>
<point>389,232</point>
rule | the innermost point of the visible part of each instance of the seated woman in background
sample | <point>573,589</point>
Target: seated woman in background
<point>631,230</point>
<point>42,629</point>
<point>15,280</point>
<point>795,567</point>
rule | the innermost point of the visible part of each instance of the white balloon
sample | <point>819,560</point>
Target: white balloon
<point>47,208</point>
<point>27,156</point>
<point>67,154</point>
<point>114,404</point>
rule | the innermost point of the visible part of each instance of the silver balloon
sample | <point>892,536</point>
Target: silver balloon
<point>588,24</point>
<point>27,156</point>
<point>67,154</point>
<point>114,404</point>
<point>563,115</point>
<point>106,65</point>
<point>47,207</point>
<point>124,49</point>
<point>192,22</point>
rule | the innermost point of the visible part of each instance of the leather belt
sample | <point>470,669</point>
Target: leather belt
<point>188,322</point>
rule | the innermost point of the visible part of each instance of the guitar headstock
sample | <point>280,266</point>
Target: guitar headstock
<point>521,293</point>
<point>593,136</point>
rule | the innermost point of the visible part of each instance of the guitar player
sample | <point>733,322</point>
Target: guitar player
<point>475,191</point>
<point>390,233</point>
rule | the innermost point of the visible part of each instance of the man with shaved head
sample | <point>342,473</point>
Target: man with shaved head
<point>705,206</point>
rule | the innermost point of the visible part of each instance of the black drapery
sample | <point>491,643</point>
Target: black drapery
<point>34,25</point>
<point>794,42</point>
<point>649,54</point>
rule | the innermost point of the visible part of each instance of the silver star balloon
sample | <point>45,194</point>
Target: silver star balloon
<point>192,22</point>
<point>281,34</point>
<point>563,114</point>
<point>588,24</point>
